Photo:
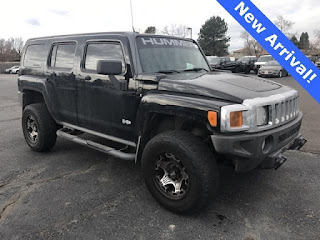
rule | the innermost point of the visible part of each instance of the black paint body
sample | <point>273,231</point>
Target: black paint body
<point>92,101</point>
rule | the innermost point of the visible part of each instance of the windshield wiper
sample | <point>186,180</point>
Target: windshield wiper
<point>195,70</point>
<point>168,71</point>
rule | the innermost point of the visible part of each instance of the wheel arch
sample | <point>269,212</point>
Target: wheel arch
<point>179,113</point>
<point>31,95</point>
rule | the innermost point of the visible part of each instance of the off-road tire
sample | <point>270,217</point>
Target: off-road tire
<point>199,163</point>
<point>46,127</point>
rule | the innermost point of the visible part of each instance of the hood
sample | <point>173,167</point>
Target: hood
<point>271,68</point>
<point>221,85</point>
<point>260,63</point>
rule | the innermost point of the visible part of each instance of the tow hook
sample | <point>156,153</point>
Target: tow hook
<point>298,143</point>
<point>279,161</point>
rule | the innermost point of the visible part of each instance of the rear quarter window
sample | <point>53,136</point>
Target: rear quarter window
<point>34,56</point>
<point>62,55</point>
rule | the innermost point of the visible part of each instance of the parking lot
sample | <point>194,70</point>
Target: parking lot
<point>76,193</point>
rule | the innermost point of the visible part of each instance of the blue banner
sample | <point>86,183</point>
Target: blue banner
<point>276,43</point>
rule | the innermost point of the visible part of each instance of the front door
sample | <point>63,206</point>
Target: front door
<point>100,104</point>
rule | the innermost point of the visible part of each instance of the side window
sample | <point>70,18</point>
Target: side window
<point>62,55</point>
<point>102,51</point>
<point>34,56</point>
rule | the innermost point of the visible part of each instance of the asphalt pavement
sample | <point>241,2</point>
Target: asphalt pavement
<point>76,193</point>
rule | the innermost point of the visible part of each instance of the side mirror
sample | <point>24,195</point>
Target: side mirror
<point>109,67</point>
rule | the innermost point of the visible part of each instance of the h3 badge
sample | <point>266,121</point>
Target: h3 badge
<point>126,122</point>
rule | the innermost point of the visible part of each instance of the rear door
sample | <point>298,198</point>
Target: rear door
<point>61,79</point>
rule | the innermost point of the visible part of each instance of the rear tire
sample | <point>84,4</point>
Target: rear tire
<point>180,158</point>
<point>39,128</point>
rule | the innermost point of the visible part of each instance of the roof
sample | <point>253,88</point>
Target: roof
<point>127,34</point>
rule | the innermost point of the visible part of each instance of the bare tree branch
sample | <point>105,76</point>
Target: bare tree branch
<point>175,30</point>
<point>284,25</point>
<point>252,47</point>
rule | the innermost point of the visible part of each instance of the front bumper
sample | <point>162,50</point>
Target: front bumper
<point>272,74</point>
<point>250,150</point>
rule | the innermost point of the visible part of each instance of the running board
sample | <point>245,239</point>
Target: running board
<point>97,146</point>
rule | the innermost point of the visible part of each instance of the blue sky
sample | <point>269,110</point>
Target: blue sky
<point>35,18</point>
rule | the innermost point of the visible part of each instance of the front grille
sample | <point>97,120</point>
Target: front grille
<point>283,108</point>
<point>285,111</point>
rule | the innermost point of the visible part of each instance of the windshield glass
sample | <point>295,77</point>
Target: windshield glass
<point>265,59</point>
<point>272,63</point>
<point>244,59</point>
<point>213,60</point>
<point>165,54</point>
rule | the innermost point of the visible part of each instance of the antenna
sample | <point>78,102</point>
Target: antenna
<point>131,16</point>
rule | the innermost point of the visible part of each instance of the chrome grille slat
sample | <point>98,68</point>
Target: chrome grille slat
<point>283,111</point>
<point>277,113</point>
<point>283,108</point>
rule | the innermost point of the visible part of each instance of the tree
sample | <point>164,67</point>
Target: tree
<point>251,46</point>
<point>284,25</point>
<point>295,40</point>
<point>175,30</point>
<point>212,37</point>
<point>151,30</point>
<point>317,38</point>
<point>304,41</point>
<point>10,49</point>
<point>18,45</point>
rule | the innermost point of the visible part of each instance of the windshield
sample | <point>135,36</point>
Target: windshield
<point>244,59</point>
<point>213,60</point>
<point>265,59</point>
<point>167,54</point>
<point>272,63</point>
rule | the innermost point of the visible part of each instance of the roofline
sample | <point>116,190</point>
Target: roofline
<point>106,33</point>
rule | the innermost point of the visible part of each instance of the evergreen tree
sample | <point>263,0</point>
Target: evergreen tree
<point>295,40</point>
<point>304,41</point>
<point>151,30</point>
<point>212,37</point>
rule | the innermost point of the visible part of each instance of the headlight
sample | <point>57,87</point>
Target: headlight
<point>262,116</point>
<point>236,118</point>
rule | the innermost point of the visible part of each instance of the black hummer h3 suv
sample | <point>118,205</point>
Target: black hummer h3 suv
<point>157,103</point>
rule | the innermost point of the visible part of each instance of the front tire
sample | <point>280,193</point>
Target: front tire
<point>180,171</point>
<point>39,128</point>
<point>280,74</point>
